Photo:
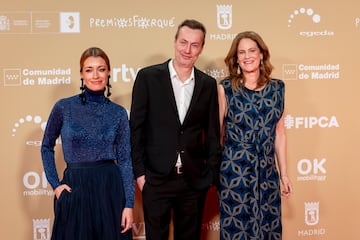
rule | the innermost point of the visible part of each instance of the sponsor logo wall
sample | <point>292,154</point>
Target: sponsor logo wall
<point>314,48</point>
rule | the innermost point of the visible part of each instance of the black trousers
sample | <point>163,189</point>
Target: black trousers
<point>173,198</point>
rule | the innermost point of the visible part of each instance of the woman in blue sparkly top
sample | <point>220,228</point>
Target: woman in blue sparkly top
<point>95,198</point>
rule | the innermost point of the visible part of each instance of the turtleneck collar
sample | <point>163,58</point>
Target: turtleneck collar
<point>93,96</point>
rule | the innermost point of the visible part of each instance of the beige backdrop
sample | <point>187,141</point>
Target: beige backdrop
<point>314,46</point>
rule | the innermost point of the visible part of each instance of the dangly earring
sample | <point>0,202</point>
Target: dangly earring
<point>261,62</point>
<point>82,94</point>
<point>238,70</point>
<point>108,94</point>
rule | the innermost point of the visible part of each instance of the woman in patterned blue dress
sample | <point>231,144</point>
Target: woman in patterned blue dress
<point>254,140</point>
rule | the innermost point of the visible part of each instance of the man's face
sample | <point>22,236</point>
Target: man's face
<point>188,46</point>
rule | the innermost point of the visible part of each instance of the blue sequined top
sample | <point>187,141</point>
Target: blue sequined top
<point>96,130</point>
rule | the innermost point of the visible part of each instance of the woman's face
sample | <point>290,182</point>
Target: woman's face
<point>95,73</point>
<point>248,55</point>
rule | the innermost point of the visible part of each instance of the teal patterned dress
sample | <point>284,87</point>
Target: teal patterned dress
<point>249,190</point>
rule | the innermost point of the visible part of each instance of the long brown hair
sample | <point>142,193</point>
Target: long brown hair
<point>231,61</point>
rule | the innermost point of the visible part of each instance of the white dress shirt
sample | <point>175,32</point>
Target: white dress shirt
<point>183,91</point>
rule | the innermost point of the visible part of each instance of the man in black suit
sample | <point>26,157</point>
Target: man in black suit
<point>175,140</point>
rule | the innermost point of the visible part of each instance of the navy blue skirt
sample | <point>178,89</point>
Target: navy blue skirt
<point>93,209</point>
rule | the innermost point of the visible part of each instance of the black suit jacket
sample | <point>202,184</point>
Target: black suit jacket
<point>157,136</point>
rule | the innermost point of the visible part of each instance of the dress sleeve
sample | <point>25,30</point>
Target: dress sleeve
<point>124,159</point>
<point>52,132</point>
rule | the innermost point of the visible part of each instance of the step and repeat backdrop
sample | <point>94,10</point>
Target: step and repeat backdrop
<point>315,49</point>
